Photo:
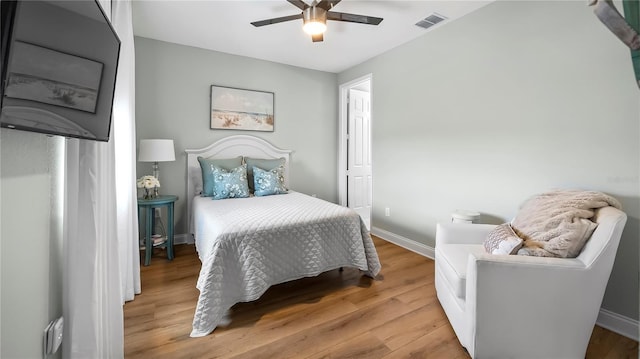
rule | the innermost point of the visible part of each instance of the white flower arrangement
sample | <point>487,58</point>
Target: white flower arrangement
<point>147,182</point>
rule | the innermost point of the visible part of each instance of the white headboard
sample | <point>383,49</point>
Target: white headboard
<point>228,147</point>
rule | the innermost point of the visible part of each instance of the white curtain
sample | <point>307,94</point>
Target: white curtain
<point>101,253</point>
<point>124,132</point>
<point>92,304</point>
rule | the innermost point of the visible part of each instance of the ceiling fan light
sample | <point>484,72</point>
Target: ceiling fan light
<point>315,20</point>
<point>314,27</point>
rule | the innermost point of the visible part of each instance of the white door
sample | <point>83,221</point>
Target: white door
<point>359,175</point>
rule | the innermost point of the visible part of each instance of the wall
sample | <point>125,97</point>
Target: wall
<point>30,239</point>
<point>173,100</point>
<point>514,99</point>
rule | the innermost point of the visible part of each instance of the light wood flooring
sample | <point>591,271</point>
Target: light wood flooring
<point>334,315</point>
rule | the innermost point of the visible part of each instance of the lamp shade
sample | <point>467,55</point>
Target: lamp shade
<point>156,151</point>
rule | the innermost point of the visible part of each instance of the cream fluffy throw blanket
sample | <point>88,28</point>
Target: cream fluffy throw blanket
<point>557,223</point>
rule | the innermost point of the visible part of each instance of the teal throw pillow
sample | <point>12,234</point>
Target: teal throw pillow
<point>264,163</point>
<point>230,184</point>
<point>206,166</point>
<point>269,182</point>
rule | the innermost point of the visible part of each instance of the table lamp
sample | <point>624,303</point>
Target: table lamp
<point>156,150</point>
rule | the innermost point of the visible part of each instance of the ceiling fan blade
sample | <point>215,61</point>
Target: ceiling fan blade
<point>317,38</point>
<point>276,20</point>
<point>299,4</point>
<point>328,4</point>
<point>360,19</point>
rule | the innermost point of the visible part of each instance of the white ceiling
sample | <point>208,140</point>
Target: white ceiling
<point>225,26</point>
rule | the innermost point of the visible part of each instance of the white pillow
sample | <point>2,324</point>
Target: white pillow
<point>502,240</point>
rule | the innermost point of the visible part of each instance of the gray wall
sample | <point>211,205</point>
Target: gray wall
<point>172,101</point>
<point>512,100</point>
<point>31,239</point>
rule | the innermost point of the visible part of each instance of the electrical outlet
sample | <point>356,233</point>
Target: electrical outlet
<point>387,212</point>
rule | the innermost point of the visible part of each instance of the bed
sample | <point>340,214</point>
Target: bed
<point>246,245</point>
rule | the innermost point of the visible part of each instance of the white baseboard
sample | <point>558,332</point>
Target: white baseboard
<point>618,323</point>
<point>183,239</point>
<point>607,319</point>
<point>404,242</point>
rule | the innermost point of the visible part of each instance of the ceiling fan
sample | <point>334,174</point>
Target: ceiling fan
<point>315,17</point>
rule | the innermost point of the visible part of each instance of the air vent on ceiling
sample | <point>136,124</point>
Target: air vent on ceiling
<point>430,20</point>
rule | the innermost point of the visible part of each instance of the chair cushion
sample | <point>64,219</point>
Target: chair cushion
<point>451,261</point>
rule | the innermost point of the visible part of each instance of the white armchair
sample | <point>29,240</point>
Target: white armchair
<point>512,306</point>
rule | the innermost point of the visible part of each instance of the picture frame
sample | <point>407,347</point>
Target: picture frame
<point>241,109</point>
<point>56,78</point>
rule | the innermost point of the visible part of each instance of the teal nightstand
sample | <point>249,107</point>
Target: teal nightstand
<point>148,205</point>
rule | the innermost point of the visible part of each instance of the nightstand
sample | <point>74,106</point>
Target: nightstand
<point>148,205</point>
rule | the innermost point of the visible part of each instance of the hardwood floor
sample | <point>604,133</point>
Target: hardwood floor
<point>334,315</point>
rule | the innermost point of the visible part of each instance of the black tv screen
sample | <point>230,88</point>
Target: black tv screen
<point>59,64</point>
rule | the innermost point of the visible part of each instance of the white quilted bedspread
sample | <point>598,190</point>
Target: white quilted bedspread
<point>247,245</point>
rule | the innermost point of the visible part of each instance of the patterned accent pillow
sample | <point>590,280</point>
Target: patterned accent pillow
<point>206,166</point>
<point>230,184</point>
<point>502,240</point>
<point>266,164</point>
<point>269,182</point>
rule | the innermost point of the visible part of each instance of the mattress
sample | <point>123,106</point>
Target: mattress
<point>247,245</point>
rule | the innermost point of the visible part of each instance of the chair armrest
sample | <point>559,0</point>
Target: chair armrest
<point>526,262</point>
<point>511,298</point>
<point>462,233</point>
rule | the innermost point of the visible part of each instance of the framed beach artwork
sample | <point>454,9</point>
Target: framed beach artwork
<point>239,109</point>
<point>52,77</point>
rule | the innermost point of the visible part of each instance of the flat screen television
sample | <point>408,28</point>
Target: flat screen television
<point>59,65</point>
